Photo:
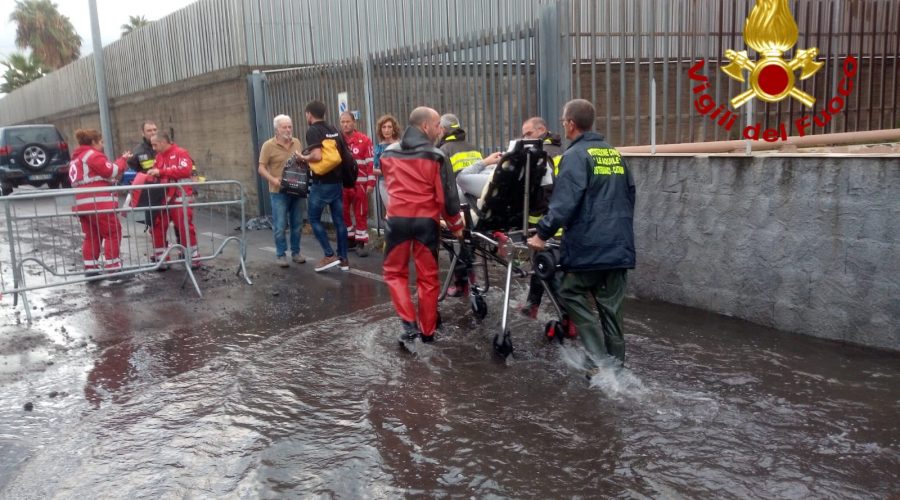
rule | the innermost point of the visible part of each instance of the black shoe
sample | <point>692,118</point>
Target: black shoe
<point>361,250</point>
<point>410,332</point>
<point>427,339</point>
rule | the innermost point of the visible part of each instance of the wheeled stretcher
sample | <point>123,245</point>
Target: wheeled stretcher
<point>496,230</point>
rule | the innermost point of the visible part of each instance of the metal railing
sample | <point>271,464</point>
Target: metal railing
<point>487,80</point>
<point>210,35</point>
<point>619,46</point>
<point>458,56</point>
<point>609,52</point>
<point>42,235</point>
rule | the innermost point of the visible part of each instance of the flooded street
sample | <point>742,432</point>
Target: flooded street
<point>275,391</point>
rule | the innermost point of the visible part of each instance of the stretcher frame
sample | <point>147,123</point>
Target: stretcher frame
<point>483,238</point>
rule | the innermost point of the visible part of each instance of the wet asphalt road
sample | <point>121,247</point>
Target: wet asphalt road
<point>294,387</point>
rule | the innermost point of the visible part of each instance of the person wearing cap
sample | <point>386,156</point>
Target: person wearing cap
<point>461,154</point>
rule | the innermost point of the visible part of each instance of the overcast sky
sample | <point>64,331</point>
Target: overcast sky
<point>112,14</point>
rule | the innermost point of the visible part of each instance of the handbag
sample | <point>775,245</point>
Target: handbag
<point>295,177</point>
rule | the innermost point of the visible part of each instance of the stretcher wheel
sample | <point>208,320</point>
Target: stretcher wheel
<point>503,346</point>
<point>554,330</point>
<point>479,307</point>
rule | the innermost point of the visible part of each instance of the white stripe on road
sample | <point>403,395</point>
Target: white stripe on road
<point>366,274</point>
<point>214,235</point>
<point>357,272</point>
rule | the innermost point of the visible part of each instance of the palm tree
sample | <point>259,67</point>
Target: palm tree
<point>20,70</point>
<point>49,34</point>
<point>134,22</point>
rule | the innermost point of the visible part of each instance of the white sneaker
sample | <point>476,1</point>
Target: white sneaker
<point>282,261</point>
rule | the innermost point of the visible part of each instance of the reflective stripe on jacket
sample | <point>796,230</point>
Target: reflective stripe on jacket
<point>461,153</point>
<point>174,165</point>
<point>90,168</point>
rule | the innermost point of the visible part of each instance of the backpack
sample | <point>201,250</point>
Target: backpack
<point>295,177</point>
<point>349,168</point>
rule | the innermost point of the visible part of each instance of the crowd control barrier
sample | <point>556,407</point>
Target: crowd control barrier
<point>42,234</point>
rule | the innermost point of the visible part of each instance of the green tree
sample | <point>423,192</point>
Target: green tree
<point>134,22</point>
<point>49,34</point>
<point>20,70</point>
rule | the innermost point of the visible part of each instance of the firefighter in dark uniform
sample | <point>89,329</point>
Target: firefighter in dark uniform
<point>593,200</point>
<point>144,155</point>
<point>422,191</point>
<point>461,155</point>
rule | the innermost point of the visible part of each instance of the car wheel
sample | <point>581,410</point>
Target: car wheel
<point>35,156</point>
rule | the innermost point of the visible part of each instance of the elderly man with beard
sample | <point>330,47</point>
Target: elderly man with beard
<point>287,210</point>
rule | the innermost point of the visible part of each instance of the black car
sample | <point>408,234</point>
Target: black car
<point>33,154</point>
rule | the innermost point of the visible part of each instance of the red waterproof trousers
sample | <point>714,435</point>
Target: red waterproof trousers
<point>187,235</point>
<point>416,237</point>
<point>101,231</point>
<point>356,201</point>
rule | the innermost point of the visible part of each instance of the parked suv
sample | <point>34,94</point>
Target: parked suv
<point>33,154</point>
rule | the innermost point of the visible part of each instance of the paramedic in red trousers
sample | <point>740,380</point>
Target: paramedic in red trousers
<point>90,168</point>
<point>422,191</point>
<point>356,199</point>
<point>173,164</point>
<point>593,200</point>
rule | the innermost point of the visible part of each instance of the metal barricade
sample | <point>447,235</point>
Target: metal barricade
<point>43,235</point>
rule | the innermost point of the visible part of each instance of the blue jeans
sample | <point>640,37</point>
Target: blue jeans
<point>330,195</point>
<point>287,210</point>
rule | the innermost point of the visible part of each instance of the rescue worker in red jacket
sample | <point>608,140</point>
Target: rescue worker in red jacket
<point>173,164</point>
<point>356,199</point>
<point>422,190</point>
<point>90,168</point>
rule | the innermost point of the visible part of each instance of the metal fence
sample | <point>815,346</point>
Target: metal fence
<point>42,236</point>
<point>630,57</point>
<point>489,81</point>
<point>620,46</point>
<point>211,35</point>
<point>514,57</point>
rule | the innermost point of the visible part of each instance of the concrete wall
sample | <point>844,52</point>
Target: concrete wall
<point>209,116</point>
<point>803,244</point>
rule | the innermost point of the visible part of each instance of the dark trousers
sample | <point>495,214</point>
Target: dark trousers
<point>580,292</point>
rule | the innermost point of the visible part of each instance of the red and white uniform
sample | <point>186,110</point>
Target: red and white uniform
<point>90,168</point>
<point>356,199</point>
<point>174,165</point>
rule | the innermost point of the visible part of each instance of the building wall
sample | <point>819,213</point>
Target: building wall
<point>802,244</point>
<point>208,116</point>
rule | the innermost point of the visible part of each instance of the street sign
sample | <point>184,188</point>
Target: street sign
<point>342,103</point>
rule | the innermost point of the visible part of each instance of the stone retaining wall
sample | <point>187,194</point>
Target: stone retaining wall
<point>802,244</point>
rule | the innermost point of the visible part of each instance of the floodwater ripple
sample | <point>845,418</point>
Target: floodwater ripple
<point>334,408</point>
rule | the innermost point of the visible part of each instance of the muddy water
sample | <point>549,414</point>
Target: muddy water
<point>248,406</point>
